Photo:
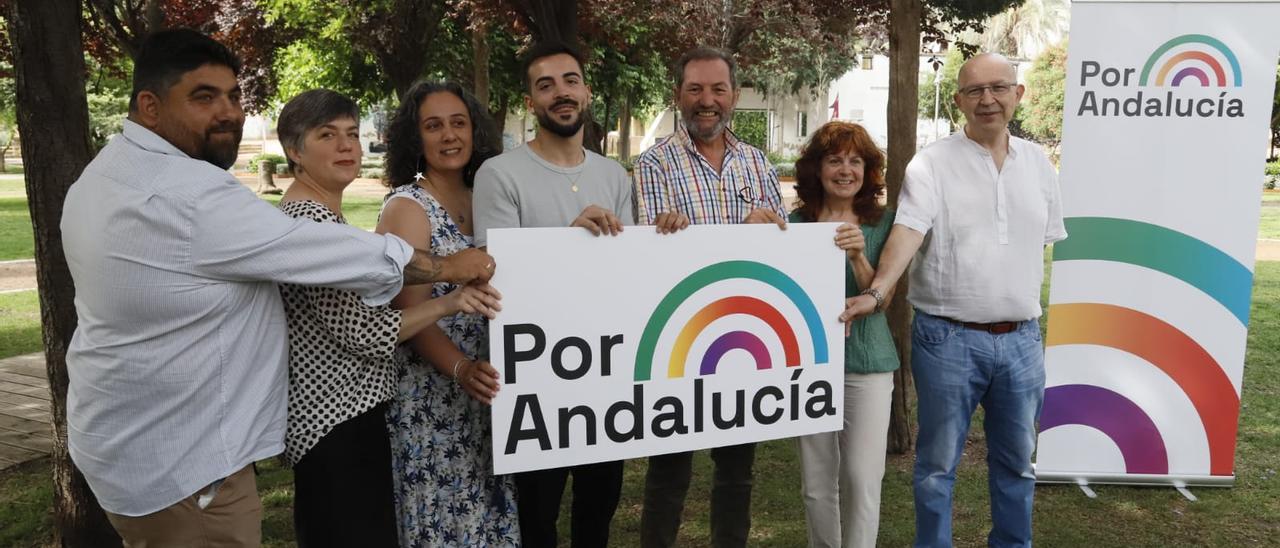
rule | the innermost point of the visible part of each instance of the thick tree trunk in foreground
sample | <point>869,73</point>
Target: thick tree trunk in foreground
<point>53,117</point>
<point>904,71</point>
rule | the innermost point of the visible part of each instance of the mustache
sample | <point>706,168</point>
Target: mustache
<point>228,127</point>
<point>564,101</point>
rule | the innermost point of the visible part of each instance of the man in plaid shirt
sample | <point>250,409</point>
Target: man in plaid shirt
<point>703,174</point>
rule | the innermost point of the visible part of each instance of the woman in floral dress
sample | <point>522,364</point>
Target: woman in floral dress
<point>446,493</point>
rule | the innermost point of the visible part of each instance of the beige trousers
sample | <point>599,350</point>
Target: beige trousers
<point>232,518</point>
<point>841,471</point>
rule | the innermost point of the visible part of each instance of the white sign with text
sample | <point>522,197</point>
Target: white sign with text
<point>643,344</point>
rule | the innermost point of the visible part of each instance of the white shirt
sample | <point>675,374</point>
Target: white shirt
<point>985,229</point>
<point>177,367</point>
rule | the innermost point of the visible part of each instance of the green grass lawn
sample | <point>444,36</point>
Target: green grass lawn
<point>12,186</point>
<point>19,323</point>
<point>16,241</point>
<point>1243,516</point>
<point>1269,222</point>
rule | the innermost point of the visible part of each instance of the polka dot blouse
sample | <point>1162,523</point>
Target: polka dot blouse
<point>340,352</point>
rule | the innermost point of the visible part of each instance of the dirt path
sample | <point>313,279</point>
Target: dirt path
<point>17,275</point>
<point>1269,250</point>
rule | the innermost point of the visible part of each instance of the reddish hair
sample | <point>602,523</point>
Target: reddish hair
<point>833,138</point>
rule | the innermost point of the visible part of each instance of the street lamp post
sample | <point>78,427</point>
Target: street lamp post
<point>937,91</point>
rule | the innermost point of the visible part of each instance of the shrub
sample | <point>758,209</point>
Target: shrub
<point>776,158</point>
<point>785,169</point>
<point>273,158</point>
<point>628,165</point>
<point>371,173</point>
<point>1273,169</point>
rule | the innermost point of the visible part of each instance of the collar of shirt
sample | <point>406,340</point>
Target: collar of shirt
<point>149,140</point>
<point>731,144</point>
<point>1008,139</point>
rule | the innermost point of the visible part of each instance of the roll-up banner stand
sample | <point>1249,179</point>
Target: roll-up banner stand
<point>1167,115</point>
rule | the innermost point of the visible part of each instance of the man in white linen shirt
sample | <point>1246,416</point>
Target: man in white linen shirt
<point>177,369</point>
<point>977,209</point>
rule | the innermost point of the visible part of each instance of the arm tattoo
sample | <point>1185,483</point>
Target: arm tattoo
<point>423,268</point>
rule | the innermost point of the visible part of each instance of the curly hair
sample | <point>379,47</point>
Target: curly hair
<point>404,142</point>
<point>833,138</point>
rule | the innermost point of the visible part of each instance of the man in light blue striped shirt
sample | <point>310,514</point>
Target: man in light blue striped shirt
<point>177,368</point>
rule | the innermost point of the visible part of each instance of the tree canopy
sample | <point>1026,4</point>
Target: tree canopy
<point>944,82</point>
<point>115,29</point>
<point>1041,113</point>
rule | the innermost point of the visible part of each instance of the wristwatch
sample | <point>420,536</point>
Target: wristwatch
<point>879,297</point>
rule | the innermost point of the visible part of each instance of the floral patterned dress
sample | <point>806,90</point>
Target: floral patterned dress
<point>441,450</point>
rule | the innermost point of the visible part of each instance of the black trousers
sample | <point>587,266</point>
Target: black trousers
<point>667,483</point>
<point>596,490</point>
<point>343,491</point>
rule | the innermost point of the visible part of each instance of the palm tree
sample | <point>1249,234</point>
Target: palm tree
<point>1026,30</point>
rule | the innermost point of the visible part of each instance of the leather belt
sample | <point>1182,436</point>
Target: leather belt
<point>994,328</point>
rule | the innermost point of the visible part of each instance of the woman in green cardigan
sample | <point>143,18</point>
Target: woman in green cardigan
<point>839,178</point>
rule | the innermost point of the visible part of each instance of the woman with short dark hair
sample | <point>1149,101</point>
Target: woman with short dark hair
<point>341,367</point>
<point>839,178</point>
<point>446,492</point>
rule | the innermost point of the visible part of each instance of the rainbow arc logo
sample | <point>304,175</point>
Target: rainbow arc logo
<point>1196,55</point>
<point>1203,380</point>
<point>733,340</point>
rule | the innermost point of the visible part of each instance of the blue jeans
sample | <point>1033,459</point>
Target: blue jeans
<point>956,368</point>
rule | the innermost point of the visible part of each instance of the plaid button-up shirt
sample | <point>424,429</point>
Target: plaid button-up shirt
<point>674,176</point>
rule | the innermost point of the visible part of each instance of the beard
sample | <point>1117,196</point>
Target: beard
<point>696,130</point>
<point>564,130</point>
<point>221,154</point>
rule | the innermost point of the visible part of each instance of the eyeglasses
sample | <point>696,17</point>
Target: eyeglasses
<point>997,90</point>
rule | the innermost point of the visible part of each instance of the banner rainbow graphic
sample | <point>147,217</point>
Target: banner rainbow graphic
<point>1191,61</point>
<point>734,340</point>
<point>1177,355</point>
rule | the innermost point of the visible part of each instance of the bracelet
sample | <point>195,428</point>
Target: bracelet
<point>456,365</point>
<point>877,295</point>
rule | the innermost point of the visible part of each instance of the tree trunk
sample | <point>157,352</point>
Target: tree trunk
<point>53,117</point>
<point>608,114</point>
<point>155,17</point>
<point>266,182</point>
<point>500,119</point>
<point>550,20</point>
<point>480,62</point>
<point>904,72</point>
<point>624,129</point>
<point>593,134</point>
